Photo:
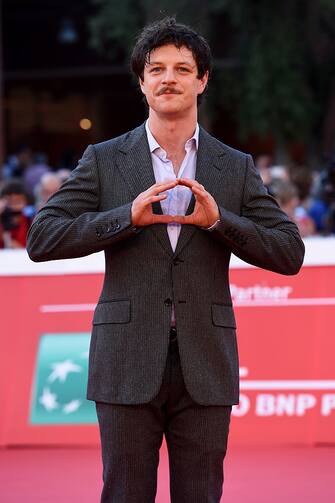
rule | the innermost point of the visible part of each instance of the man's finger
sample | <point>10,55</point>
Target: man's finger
<point>161,187</point>
<point>163,219</point>
<point>200,195</point>
<point>198,190</point>
<point>183,219</point>
<point>153,199</point>
<point>191,183</point>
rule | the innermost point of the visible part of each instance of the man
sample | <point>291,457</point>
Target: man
<point>168,203</point>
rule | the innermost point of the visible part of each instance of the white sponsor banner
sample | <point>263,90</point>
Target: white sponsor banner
<point>319,252</point>
<point>296,397</point>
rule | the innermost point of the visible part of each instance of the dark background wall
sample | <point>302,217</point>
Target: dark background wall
<point>272,89</point>
<point>50,85</point>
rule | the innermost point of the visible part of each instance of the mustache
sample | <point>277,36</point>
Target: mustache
<point>168,89</point>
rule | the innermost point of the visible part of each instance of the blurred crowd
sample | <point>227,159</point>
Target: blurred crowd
<point>307,196</point>
<point>27,182</point>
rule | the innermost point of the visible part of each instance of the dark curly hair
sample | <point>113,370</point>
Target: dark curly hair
<point>165,32</point>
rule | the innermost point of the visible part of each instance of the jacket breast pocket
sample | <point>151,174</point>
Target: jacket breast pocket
<point>223,316</point>
<point>114,311</point>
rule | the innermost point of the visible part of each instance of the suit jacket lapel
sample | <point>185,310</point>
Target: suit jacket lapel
<point>208,174</point>
<point>135,165</point>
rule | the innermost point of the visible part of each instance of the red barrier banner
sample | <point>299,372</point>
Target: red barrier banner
<point>286,346</point>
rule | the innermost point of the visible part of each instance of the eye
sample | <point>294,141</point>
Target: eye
<point>155,69</point>
<point>183,69</point>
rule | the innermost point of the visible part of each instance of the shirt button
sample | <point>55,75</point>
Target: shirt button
<point>168,302</point>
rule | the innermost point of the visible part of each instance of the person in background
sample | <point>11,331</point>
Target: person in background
<point>17,163</point>
<point>279,172</point>
<point>34,172</point>
<point>287,196</point>
<point>63,174</point>
<point>48,185</point>
<point>16,214</point>
<point>263,164</point>
<point>322,207</point>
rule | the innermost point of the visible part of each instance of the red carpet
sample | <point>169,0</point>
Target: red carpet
<point>253,475</point>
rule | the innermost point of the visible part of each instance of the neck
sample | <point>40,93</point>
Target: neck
<point>172,133</point>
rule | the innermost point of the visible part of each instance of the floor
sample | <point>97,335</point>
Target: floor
<point>252,475</point>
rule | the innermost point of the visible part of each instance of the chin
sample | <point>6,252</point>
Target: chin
<point>167,110</point>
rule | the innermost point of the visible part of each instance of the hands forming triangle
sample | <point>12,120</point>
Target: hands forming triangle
<point>205,213</point>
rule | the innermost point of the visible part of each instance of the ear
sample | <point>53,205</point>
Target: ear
<point>141,83</point>
<point>203,83</point>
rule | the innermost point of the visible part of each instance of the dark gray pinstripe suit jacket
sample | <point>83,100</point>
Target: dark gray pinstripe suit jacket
<point>130,337</point>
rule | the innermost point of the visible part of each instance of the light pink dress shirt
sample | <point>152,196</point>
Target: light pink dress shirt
<point>178,198</point>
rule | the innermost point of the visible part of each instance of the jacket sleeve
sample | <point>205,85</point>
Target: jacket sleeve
<point>70,224</point>
<point>262,234</point>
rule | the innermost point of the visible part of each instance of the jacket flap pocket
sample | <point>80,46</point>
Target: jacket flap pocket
<point>223,316</point>
<point>115,311</point>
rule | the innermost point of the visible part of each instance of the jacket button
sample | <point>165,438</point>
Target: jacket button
<point>168,302</point>
<point>114,227</point>
<point>177,261</point>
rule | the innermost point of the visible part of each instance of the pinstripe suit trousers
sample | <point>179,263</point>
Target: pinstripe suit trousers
<point>196,437</point>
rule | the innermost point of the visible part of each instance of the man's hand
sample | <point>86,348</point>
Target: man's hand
<point>141,211</point>
<point>206,211</point>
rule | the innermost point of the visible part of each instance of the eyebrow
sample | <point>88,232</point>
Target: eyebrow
<point>178,63</point>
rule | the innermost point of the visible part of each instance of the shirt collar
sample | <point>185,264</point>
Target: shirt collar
<point>153,144</point>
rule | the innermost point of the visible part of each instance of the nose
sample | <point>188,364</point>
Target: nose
<point>169,76</point>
